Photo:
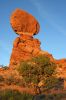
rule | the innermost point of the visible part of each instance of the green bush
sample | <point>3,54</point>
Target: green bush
<point>14,95</point>
<point>51,82</point>
<point>59,96</point>
<point>38,69</point>
<point>5,67</point>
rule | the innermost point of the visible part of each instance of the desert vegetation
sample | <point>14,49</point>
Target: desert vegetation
<point>39,73</point>
<point>14,95</point>
<point>9,94</point>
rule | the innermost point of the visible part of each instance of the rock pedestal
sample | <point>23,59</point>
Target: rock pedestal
<point>24,48</point>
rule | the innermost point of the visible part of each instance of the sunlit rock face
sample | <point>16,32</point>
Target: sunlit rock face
<point>25,46</point>
<point>24,23</point>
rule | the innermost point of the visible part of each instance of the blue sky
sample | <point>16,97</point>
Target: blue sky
<point>51,15</point>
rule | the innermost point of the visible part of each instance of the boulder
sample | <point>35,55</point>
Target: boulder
<point>24,23</point>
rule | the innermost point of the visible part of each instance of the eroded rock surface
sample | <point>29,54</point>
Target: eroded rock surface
<point>24,23</point>
<point>25,47</point>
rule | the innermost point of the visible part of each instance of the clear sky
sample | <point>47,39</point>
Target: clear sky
<point>51,15</point>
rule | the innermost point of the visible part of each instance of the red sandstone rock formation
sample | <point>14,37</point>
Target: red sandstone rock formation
<point>24,23</point>
<point>24,48</point>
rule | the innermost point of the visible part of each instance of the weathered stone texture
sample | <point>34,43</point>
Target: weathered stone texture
<point>24,23</point>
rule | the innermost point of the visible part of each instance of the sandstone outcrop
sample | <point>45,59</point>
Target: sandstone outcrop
<point>25,47</point>
<point>24,23</point>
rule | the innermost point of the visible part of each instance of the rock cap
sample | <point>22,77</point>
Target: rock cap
<point>24,23</point>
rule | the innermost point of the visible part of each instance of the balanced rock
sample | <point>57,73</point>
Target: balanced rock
<point>24,23</point>
<point>25,47</point>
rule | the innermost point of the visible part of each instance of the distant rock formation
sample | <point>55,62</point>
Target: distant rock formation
<point>1,66</point>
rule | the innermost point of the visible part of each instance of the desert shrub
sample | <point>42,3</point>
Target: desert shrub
<point>60,84</point>
<point>5,67</point>
<point>39,97</point>
<point>14,95</point>
<point>1,78</point>
<point>59,96</point>
<point>26,96</point>
<point>37,70</point>
<point>51,82</point>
